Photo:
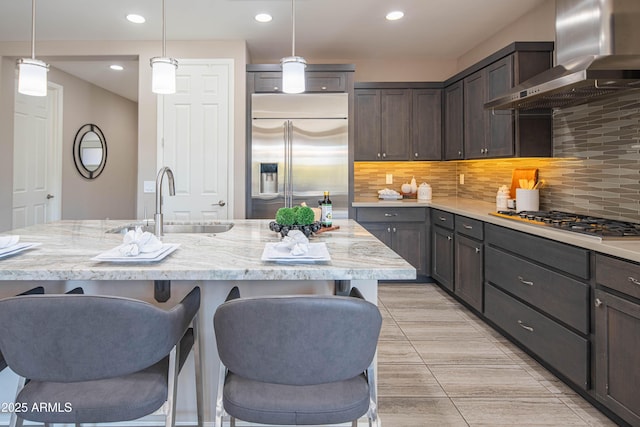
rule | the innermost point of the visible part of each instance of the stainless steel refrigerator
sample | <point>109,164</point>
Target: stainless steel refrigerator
<point>299,149</point>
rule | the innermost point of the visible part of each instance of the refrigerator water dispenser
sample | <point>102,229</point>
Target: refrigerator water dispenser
<point>268,178</point>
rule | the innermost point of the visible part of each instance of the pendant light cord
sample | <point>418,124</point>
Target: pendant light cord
<point>293,27</point>
<point>164,38</point>
<point>33,29</point>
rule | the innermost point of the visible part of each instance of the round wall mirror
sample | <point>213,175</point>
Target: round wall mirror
<point>90,151</point>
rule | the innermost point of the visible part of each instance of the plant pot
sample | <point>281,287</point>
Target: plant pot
<point>284,229</point>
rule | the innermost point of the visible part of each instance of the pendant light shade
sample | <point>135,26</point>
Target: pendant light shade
<point>32,73</point>
<point>163,75</point>
<point>163,69</point>
<point>293,80</point>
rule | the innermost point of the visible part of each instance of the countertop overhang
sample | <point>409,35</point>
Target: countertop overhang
<point>68,246</point>
<point>626,249</point>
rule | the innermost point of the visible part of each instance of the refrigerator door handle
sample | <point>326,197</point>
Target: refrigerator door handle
<point>288,157</point>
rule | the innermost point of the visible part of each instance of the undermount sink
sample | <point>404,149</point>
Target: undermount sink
<point>170,227</point>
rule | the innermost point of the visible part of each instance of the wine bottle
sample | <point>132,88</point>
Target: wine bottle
<point>326,213</point>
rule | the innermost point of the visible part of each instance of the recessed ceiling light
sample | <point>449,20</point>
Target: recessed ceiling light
<point>395,15</point>
<point>136,19</point>
<point>116,67</point>
<point>263,17</point>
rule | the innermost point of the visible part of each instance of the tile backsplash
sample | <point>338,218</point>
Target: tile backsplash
<point>595,169</point>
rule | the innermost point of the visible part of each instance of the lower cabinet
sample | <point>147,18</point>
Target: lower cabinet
<point>405,230</point>
<point>617,342</point>
<point>469,261</point>
<point>442,248</point>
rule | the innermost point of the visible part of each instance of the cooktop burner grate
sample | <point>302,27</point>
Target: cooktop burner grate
<point>584,224</point>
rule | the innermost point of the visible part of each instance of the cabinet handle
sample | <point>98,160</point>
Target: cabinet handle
<point>390,214</point>
<point>384,155</point>
<point>523,326</point>
<point>459,153</point>
<point>378,155</point>
<point>415,154</point>
<point>598,302</point>
<point>276,88</point>
<point>482,151</point>
<point>441,218</point>
<point>388,229</point>
<point>633,280</point>
<point>394,229</point>
<point>486,151</point>
<point>324,88</point>
<point>477,250</point>
<point>526,282</point>
<point>467,226</point>
<point>448,237</point>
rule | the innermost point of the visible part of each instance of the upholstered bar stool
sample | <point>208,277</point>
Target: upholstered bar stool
<point>100,358</point>
<point>297,360</point>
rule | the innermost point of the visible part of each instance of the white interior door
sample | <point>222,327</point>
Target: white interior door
<point>195,138</point>
<point>37,158</point>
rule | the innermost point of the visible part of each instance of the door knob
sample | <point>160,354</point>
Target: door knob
<point>220,203</point>
<point>50,196</point>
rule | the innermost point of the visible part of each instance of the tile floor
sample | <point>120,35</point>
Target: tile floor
<point>439,365</point>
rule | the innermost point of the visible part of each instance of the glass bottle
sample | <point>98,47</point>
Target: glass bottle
<point>326,213</point>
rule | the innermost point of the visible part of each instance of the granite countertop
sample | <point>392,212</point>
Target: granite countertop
<point>627,249</point>
<point>68,246</point>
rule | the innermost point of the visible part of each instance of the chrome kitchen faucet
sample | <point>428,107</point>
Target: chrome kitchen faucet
<point>172,192</point>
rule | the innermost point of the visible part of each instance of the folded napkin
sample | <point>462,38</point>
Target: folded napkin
<point>296,242</point>
<point>8,241</point>
<point>137,242</point>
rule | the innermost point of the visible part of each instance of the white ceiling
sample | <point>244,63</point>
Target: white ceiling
<point>325,29</point>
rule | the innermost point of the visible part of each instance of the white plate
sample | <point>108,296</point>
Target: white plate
<point>317,253</point>
<point>114,255</point>
<point>11,250</point>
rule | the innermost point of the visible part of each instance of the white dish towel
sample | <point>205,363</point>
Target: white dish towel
<point>296,242</point>
<point>137,242</point>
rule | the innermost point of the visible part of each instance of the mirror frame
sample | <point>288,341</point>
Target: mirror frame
<point>77,151</point>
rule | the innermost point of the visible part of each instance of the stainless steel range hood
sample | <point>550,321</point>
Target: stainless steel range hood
<point>597,51</point>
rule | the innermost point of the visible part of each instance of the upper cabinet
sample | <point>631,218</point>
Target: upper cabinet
<point>267,78</point>
<point>397,124</point>
<point>492,134</point>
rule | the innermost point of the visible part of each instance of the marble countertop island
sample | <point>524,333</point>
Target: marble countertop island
<point>68,246</point>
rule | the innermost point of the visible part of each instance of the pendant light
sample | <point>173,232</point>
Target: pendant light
<point>293,66</point>
<point>163,69</point>
<point>32,73</point>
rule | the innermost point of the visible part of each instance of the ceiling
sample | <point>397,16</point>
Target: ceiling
<point>325,29</point>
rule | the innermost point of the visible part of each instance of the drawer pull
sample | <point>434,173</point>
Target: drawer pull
<point>448,237</point>
<point>598,302</point>
<point>394,229</point>
<point>388,229</point>
<point>390,214</point>
<point>523,326</point>
<point>477,250</point>
<point>634,280</point>
<point>526,282</point>
<point>441,218</point>
<point>467,226</point>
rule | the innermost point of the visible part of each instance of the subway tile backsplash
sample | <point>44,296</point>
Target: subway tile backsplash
<point>595,169</point>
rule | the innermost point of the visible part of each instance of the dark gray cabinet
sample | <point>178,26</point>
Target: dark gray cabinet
<point>475,141</point>
<point>382,124</point>
<point>405,230</point>
<point>453,122</point>
<point>617,342</point>
<point>469,261</point>
<point>533,292</point>
<point>327,81</point>
<point>442,248</point>
<point>426,124</point>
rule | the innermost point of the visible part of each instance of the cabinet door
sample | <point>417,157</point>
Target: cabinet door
<point>326,82</point>
<point>617,348</point>
<point>367,125</point>
<point>469,270</point>
<point>410,242</point>
<point>427,124</point>
<point>442,257</point>
<point>381,231</point>
<point>500,126</point>
<point>474,115</point>
<point>394,125</point>
<point>453,122</point>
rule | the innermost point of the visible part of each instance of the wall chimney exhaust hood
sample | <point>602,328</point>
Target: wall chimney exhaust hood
<point>597,52</point>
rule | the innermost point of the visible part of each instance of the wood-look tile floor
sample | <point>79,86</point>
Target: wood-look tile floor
<point>439,365</point>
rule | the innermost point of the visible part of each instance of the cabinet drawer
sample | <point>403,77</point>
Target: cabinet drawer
<point>469,227</point>
<point>623,276</point>
<point>443,219</point>
<point>566,351</point>
<point>561,256</point>
<point>391,214</point>
<point>559,296</point>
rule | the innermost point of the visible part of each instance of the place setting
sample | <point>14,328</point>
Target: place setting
<point>138,246</point>
<point>295,247</point>
<point>11,245</point>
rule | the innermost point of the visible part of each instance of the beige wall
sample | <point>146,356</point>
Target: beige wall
<point>147,104</point>
<point>112,194</point>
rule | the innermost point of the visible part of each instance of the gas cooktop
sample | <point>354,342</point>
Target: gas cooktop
<point>606,229</point>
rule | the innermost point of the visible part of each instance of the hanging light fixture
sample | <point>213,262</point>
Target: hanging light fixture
<point>32,73</point>
<point>163,69</point>
<point>293,66</point>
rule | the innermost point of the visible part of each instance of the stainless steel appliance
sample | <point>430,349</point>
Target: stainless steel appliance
<point>597,53</point>
<point>299,149</point>
<point>601,228</point>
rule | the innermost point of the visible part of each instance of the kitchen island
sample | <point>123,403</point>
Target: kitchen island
<point>215,262</point>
